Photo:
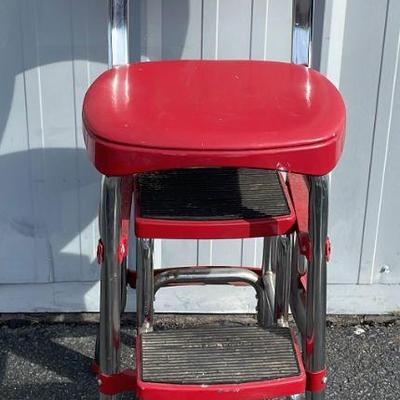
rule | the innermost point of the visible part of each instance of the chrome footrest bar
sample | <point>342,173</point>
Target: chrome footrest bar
<point>218,276</point>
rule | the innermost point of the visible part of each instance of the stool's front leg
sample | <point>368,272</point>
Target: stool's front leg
<point>110,290</point>
<point>314,345</point>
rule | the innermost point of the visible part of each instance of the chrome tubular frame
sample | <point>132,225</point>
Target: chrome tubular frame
<point>110,218</point>
<point>110,288</point>
<point>316,280</point>
<point>218,276</point>
<point>144,285</point>
<point>302,32</point>
<point>118,32</point>
<point>282,285</point>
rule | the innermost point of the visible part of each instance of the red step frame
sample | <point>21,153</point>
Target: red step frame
<point>259,390</point>
<point>226,229</point>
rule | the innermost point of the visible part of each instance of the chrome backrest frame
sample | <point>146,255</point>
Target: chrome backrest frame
<point>118,33</point>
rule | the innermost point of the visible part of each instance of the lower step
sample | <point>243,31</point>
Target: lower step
<point>224,363</point>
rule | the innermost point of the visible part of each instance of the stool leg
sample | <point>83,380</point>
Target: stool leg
<point>110,289</point>
<point>283,271</point>
<point>316,281</point>
<point>124,288</point>
<point>144,285</point>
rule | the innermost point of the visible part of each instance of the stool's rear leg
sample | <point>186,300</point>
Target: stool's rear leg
<point>110,290</point>
<point>314,341</point>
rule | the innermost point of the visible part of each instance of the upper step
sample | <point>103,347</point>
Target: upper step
<point>212,203</point>
<point>176,114</point>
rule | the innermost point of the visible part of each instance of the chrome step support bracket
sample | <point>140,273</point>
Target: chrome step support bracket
<point>269,262</point>
<point>144,285</point>
<point>283,281</point>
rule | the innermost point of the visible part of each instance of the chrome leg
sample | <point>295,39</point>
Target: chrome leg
<point>316,280</point>
<point>110,289</point>
<point>268,274</point>
<point>282,287</point>
<point>144,285</point>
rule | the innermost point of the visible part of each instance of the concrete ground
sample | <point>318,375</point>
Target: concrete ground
<point>51,360</point>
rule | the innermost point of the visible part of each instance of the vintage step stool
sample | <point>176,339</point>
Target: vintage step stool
<point>213,150</point>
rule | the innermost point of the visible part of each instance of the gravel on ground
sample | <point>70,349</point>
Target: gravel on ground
<point>43,361</point>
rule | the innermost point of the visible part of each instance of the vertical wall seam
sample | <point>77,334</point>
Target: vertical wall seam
<point>265,46</point>
<point>77,169</point>
<point>39,77</point>
<point>32,199</point>
<point>241,251</point>
<point>335,47</point>
<point>216,30</point>
<point>88,70</point>
<point>202,31</point>
<point>251,29</point>
<point>370,166</point>
<point>386,155</point>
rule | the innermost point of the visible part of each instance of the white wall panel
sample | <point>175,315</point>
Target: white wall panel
<point>51,50</point>
<point>381,250</point>
<point>359,84</point>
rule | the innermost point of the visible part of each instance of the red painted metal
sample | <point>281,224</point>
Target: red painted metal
<point>125,381</point>
<point>299,191</point>
<point>259,390</point>
<point>328,249</point>
<point>303,282</point>
<point>131,278</point>
<point>126,201</point>
<point>100,252</point>
<point>177,114</point>
<point>94,368</point>
<point>167,229</point>
<point>316,381</point>
<point>127,188</point>
<point>226,229</point>
<point>123,249</point>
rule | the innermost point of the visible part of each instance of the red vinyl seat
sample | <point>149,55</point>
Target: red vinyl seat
<point>177,114</point>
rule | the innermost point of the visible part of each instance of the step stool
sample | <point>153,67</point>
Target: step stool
<point>214,150</point>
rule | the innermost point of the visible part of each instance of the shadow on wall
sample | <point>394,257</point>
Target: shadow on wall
<point>50,51</point>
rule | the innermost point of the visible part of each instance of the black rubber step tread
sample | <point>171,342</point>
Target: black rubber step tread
<point>211,194</point>
<point>218,355</point>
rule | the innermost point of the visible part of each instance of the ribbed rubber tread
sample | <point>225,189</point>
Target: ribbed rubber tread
<point>212,194</point>
<point>218,355</point>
